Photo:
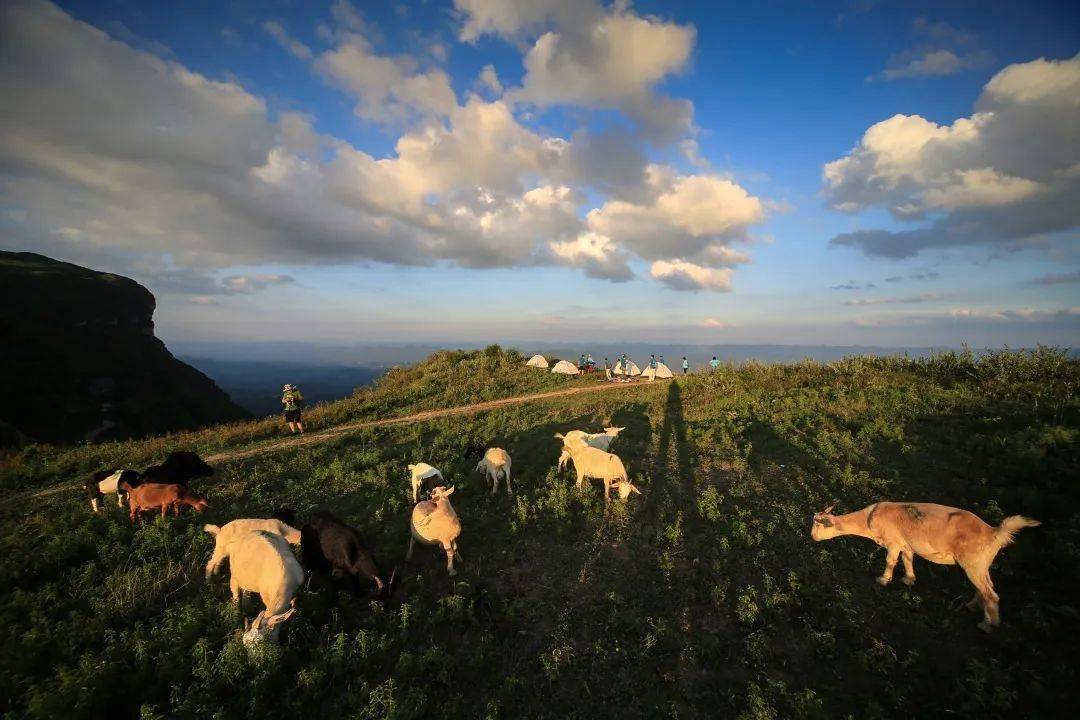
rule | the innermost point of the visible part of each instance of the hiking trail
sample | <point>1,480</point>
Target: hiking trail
<point>319,436</point>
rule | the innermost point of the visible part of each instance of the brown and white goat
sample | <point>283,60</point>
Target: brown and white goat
<point>938,533</point>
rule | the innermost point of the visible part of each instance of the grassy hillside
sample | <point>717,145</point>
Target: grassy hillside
<point>703,598</point>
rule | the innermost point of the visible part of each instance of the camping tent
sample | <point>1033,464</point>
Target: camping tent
<point>662,371</point>
<point>537,361</point>
<point>565,367</point>
<point>631,367</point>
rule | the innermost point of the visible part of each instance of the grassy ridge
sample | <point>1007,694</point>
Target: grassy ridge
<point>703,598</point>
<point>449,378</point>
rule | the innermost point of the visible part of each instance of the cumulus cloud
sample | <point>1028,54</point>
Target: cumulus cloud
<point>1008,173</point>
<point>714,323</point>
<point>387,88</point>
<point>489,79</point>
<point>111,152</point>
<point>690,217</point>
<point>294,47</point>
<point>596,254</point>
<point>586,55</point>
<point>682,275</point>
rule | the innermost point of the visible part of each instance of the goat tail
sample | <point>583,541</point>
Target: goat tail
<point>1011,525</point>
<point>212,529</point>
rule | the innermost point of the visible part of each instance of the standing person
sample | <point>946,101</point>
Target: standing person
<point>607,368</point>
<point>685,365</point>
<point>652,367</point>
<point>714,363</point>
<point>293,402</point>
<point>581,362</point>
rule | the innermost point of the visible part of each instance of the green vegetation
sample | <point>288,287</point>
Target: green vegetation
<point>703,598</point>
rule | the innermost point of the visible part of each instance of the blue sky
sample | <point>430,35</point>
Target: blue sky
<point>645,171</point>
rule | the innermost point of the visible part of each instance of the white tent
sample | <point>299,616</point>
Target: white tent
<point>565,367</point>
<point>537,361</point>
<point>631,369</point>
<point>662,372</point>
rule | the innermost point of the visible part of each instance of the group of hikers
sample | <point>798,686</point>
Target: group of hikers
<point>624,362</point>
<point>293,401</point>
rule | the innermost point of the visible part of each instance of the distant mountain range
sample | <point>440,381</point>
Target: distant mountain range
<point>79,359</point>
<point>256,385</point>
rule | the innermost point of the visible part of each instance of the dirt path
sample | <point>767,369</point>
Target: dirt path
<point>319,436</point>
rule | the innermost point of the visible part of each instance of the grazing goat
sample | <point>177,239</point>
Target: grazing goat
<point>496,462</point>
<point>331,547</point>
<point>423,475</point>
<point>941,534</point>
<point>624,488</point>
<point>151,496</point>
<point>263,563</point>
<point>590,462</point>
<point>600,441</point>
<point>106,482</point>
<point>232,531</point>
<point>434,522</point>
<point>179,468</point>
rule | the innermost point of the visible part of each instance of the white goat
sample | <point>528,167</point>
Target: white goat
<point>434,522</point>
<point>420,472</point>
<point>230,532</point>
<point>600,441</point>
<point>496,462</point>
<point>263,563</point>
<point>589,462</point>
<point>941,534</point>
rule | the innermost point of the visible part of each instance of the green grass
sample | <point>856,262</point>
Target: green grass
<point>703,598</point>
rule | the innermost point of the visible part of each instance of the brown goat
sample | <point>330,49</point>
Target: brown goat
<point>941,534</point>
<point>151,496</point>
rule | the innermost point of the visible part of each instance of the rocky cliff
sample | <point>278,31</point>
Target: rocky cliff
<point>79,360</point>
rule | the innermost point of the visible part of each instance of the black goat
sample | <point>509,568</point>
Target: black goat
<point>330,547</point>
<point>179,468</point>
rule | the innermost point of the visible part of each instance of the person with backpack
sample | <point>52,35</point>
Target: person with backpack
<point>685,365</point>
<point>293,402</point>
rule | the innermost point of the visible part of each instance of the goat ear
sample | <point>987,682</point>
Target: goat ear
<point>828,510</point>
<point>449,491</point>
<point>281,617</point>
<point>634,488</point>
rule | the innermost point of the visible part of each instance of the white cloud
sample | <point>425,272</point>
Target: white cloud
<point>1002,175</point>
<point>296,48</point>
<point>387,88</point>
<point>111,153</point>
<point>688,216</point>
<point>510,19</point>
<point>490,79</point>
<point>592,57</point>
<point>941,50</point>
<point>716,324</point>
<point>682,275</point>
<point>596,254</point>
<point>247,284</point>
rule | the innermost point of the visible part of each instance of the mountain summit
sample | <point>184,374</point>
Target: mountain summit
<point>79,359</point>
